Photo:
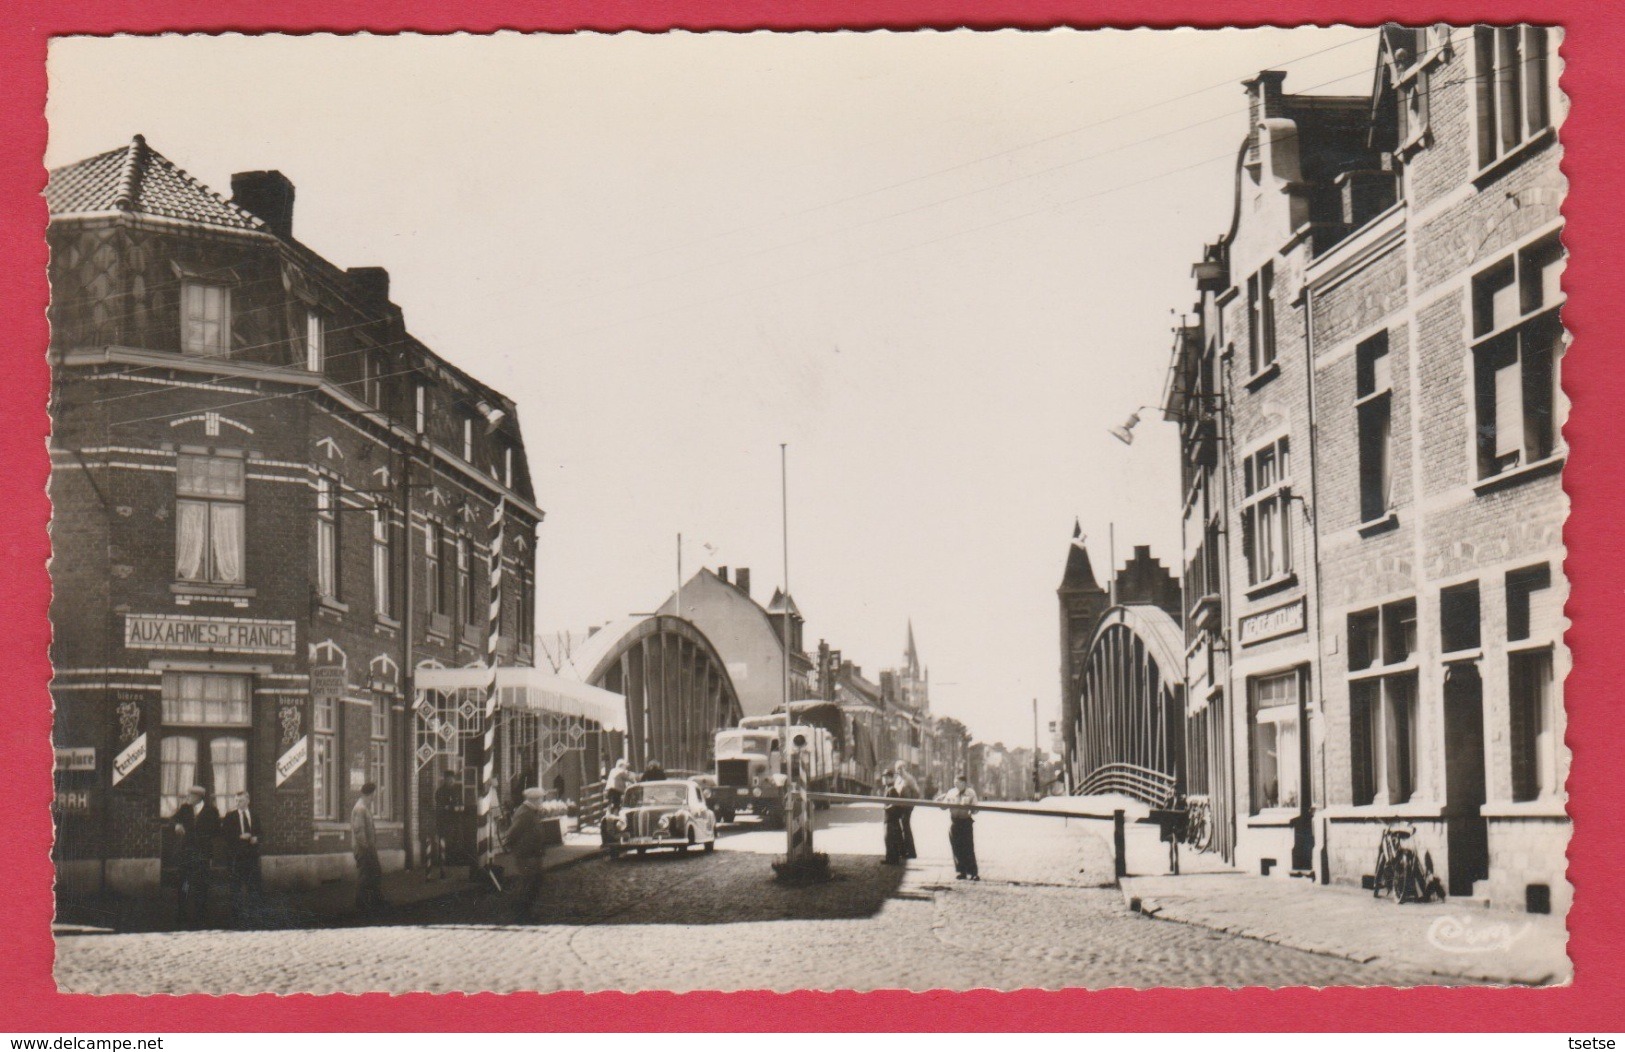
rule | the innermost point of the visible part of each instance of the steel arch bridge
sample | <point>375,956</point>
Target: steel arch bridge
<point>1130,734</point>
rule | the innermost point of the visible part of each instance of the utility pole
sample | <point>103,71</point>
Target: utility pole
<point>1038,788</point>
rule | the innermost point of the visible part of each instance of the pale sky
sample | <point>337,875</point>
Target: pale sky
<point>938,265</point>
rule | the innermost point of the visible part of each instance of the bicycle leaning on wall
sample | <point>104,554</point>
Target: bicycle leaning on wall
<point>1401,871</point>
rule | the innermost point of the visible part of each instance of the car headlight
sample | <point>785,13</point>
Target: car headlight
<point>756,790</point>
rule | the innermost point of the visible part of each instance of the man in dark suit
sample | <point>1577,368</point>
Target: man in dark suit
<point>241,832</point>
<point>196,824</point>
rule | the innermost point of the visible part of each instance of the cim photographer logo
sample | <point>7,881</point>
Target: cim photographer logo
<point>1463,933</point>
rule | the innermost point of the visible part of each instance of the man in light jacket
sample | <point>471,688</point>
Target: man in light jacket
<point>369,894</point>
<point>962,827</point>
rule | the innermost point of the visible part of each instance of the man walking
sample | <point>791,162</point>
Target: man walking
<point>961,827</point>
<point>525,843</point>
<point>241,832</point>
<point>196,824</point>
<point>369,895</point>
<point>616,784</point>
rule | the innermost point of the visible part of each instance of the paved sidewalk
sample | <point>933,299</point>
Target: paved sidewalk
<point>1452,940</point>
<point>330,904</point>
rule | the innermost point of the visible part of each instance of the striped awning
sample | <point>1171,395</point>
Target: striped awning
<point>533,690</point>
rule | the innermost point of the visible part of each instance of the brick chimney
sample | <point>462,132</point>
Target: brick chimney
<point>371,284</point>
<point>722,574</point>
<point>742,580</point>
<point>268,195</point>
<point>1264,102</point>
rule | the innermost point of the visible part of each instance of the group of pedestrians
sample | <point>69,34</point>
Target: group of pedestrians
<point>962,800</point>
<point>198,832</point>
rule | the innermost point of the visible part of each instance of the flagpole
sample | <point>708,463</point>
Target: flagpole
<point>679,575</point>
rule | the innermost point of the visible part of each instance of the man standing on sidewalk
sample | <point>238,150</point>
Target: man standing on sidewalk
<point>962,827</point>
<point>910,789</point>
<point>369,895</point>
<point>196,824</point>
<point>241,832</point>
<point>448,809</point>
<point>525,843</point>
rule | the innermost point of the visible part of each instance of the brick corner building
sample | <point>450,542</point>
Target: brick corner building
<point>1370,417</point>
<point>270,504</point>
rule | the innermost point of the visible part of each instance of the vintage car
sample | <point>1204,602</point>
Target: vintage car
<point>668,813</point>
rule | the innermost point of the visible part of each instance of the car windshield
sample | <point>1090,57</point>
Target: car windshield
<point>746,743</point>
<point>657,796</point>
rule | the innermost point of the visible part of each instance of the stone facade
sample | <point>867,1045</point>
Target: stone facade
<point>1406,419</point>
<point>268,501</point>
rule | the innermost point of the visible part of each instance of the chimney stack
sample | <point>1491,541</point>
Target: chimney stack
<point>742,580</point>
<point>268,195</point>
<point>722,574</point>
<point>372,286</point>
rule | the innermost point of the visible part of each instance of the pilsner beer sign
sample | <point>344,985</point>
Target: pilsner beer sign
<point>237,635</point>
<point>290,762</point>
<point>129,758</point>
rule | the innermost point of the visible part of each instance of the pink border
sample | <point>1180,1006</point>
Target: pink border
<point>1595,237</point>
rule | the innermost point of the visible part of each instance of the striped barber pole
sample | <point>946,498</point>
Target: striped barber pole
<point>489,723</point>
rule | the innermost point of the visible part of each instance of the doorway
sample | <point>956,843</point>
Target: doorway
<point>1466,831</point>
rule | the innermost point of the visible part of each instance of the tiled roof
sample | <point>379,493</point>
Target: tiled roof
<point>138,179</point>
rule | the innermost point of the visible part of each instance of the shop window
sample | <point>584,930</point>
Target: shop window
<point>1529,594</point>
<point>1518,343</point>
<point>1266,538</point>
<point>205,319</point>
<point>1512,87</point>
<point>1534,725</point>
<point>1459,618</point>
<point>1261,319</point>
<point>1275,741</point>
<point>209,542</point>
<point>324,756</point>
<point>378,757</point>
<point>204,712</point>
<point>1374,415</point>
<point>327,538</point>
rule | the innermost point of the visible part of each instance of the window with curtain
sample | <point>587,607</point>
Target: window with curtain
<point>327,538</point>
<point>228,769</point>
<point>205,319</point>
<point>177,771</point>
<point>433,568</point>
<point>206,698</point>
<point>383,564</point>
<point>465,581</point>
<point>209,519</point>
<point>1275,741</point>
<point>1534,725</point>
<point>324,757</point>
<point>1261,319</point>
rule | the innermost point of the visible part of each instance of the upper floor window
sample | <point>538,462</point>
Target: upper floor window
<point>1512,87</point>
<point>1266,540</point>
<point>372,388</point>
<point>383,564</point>
<point>433,569</point>
<point>1261,319</point>
<point>1374,381</point>
<point>468,440</point>
<point>421,395</point>
<point>1518,341</point>
<point>327,538</point>
<point>209,543</point>
<point>315,341</point>
<point>205,319</point>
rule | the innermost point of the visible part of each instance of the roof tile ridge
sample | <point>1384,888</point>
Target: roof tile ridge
<point>129,180</point>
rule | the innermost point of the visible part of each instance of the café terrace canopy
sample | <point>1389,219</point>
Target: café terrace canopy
<point>521,689</point>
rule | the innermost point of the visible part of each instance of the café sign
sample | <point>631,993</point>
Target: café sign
<point>237,635</point>
<point>1272,624</point>
<point>76,759</point>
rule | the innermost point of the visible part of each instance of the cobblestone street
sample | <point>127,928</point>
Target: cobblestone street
<point>1044,915</point>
